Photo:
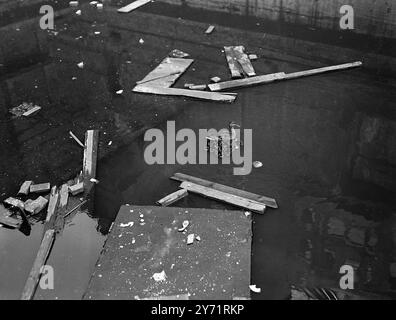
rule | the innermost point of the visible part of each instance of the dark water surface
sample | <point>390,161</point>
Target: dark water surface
<point>326,158</point>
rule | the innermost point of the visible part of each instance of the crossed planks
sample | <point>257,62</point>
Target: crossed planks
<point>57,212</point>
<point>279,76</point>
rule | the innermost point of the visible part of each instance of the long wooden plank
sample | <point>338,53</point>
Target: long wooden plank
<point>39,262</point>
<point>173,197</point>
<point>232,62</point>
<point>223,197</point>
<point>244,61</point>
<point>269,202</point>
<point>53,202</point>
<point>132,6</point>
<point>213,96</point>
<point>90,157</point>
<point>167,72</point>
<point>279,76</point>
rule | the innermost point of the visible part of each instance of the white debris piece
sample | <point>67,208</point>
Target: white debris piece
<point>253,56</point>
<point>73,3</point>
<point>198,238</point>
<point>257,164</point>
<point>93,3</point>
<point>255,289</point>
<point>161,276</point>
<point>184,226</point>
<point>80,65</point>
<point>215,79</point>
<point>78,12</point>
<point>124,225</point>
<point>119,91</point>
<point>141,41</point>
<point>190,239</point>
<point>93,180</point>
<point>99,6</point>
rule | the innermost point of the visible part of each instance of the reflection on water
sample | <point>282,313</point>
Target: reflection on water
<point>326,144</point>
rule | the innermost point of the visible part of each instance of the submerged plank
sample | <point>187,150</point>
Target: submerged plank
<point>213,96</point>
<point>39,262</point>
<point>25,187</point>
<point>217,186</point>
<point>90,157</point>
<point>223,197</point>
<point>217,267</point>
<point>167,72</point>
<point>173,197</point>
<point>132,6</point>
<point>279,76</point>
<point>40,188</point>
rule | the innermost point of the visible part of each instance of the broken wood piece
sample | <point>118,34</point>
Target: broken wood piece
<point>53,203</point>
<point>77,188</point>
<point>167,72</point>
<point>253,57</point>
<point>7,220</point>
<point>190,239</point>
<point>90,157</point>
<point>25,187</point>
<point>238,62</point>
<point>41,258</point>
<point>172,198</point>
<point>31,111</point>
<point>14,202</point>
<point>279,76</point>
<point>132,6</point>
<point>210,29</point>
<point>64,196</point>
<point>176,53</point>
<point>200,87</point>
<point>76,139</point>
<point>186,93</point>
<point>40,188</point>
<point>269,202</point>
<point>35,206</point>
<point>215,79</point>
<point>224,197</point>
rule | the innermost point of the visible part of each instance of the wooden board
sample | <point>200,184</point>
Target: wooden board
<point>269,202</point>
<point>244,61</point>
<point>132,6</point>
<point>232,62</point>
<point>90,158</point>
<point>210,29</point>
<point>166,73</point>
<point>39,262</point>
<point>6,218</point>
<point>53,203</point>
<point>172,198</point>
<point>203,95</point>
<point>279,76</point>
<point>25,187</point>
<point>216,267</point>
<point>224,197</point>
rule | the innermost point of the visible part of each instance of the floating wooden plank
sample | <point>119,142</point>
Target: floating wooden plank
<point>132,6</point>
<point>40,188</point>
<point>90,157</point>
<point>244,61</point>
<point>167,72</point>
<point>31,111</point>
<point>64,196</point>
<point>39,262</point>
<point>217,267</point>
<point>279,76</point>
<point>14,202</point>
<point>77,188</point>
<point>268,78</point>
<point>6,218</point>
<point>226,97</point>
<point>25,187</point>
<point>35,206</point>
<point>173,197</point>
<point>269,202</point>
<point>210,29</point>
<point>53,203</point>
<point>224,197</point>
<point>232,62</point>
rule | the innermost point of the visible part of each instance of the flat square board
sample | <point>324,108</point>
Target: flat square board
<point>145,241</point>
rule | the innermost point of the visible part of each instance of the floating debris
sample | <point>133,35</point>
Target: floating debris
<point>198,238</point>
<point>253,57</point>
<point>110,143</point>
<point>257,164</point>
<point>129,224</point>
<point>215,79</point>
<point>25,187</point>
<point>40,188</point>
<point>159,277</point>
<point>77,188</point>
<point>14,202</point>
<point>255,289</point>
<point>25,109</point>
<point>210,29</point>
<point>97,32</point>
<point>35,206</point>
<point>80,65</point>
<point>141,41</point>
<point>93,180</point>
<point>73,3</point>
<point>78,12</point>
<point>99,6</point>
<point>184,226</point>
<point>93,3</point>
<point>190,238</point>
<point>119,91</point>
<point>176,53</point>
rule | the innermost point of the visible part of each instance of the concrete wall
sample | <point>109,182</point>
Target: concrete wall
<point>377,18</point>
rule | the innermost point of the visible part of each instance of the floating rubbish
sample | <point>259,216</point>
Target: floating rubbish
<point>119,91</point>
<point>76,139</point>
<point>73,3</point>
<point>247,213</point>
<point>99,6</point>
<point>161,276</point>
<point>110,143</point>
<point>77,188</point>
<point>80,65</point>
<point>93,180</point>
<point>25,109</point>
<point>35,206</point>
<point>14,202</point>
<point>124,225</point>
<point>74,78</point>
<point>97,32</point>
<point>253,57</point>
<point>184,226</point>
<point>176,53</point>
<point>93,3</point>
<point>257,164</point>
<point>210,29</point>
<point>40,188</point>
<point>215,79</point>
<point>190,239</point>
<point>255,289</point>
<point>78,12</point>
<point>25,187</point>
<point>141,41</point>
<point>198,238</point>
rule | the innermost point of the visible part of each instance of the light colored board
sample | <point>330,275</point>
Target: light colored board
<point>167,72</point>
<point>90,157</point>
<point>223,197</point>
<point>173,197</point>
<point>268,78</point>
<point>64,196</point>
<point>39,262</point>
<point>210,29</point>
<point>7,220</point>
<point>25,187</point>
<point>76,139</point>
<point>269,202</point>
<point>232,62</point>
<point>213,96</point>
<point>31,111</point>
<point>279,76</point>
<point>244,61</point>
<point>132,6</point>
<point>40,188</point>
<point>53,202</point>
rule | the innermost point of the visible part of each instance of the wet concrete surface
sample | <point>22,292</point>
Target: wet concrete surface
<point>326,144</point>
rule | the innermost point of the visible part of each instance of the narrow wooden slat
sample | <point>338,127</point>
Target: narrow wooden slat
<point>173,197</point>
<point>90,157</point>
<point>210,29</point>
<point>269,202</point>
<point>223,197</point>
<point>232,62</point>
<point>39,262</point>
<point>132,6</point>
<point>244,61</point>
<point>53,202</point>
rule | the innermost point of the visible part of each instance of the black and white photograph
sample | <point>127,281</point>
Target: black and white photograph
<point>195,157</point>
